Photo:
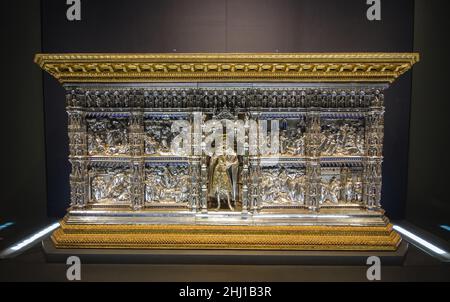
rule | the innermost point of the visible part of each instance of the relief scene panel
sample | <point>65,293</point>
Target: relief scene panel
<point>167,185</point>
<point>282,186</point>
<point>109,185</point>
<point>108,136</point>
<point>341,186</point>
<point>158,137</point>
<point>342,137</point>
<point>292,137</point>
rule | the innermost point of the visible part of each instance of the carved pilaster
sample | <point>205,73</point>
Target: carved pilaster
<point>313,171</point>
<point>77,132</point>
<point>201,166</point>
<point>245,179</point>
<point>374,132</point>
<point>254,180</point>
<point>198,184</point>
<point>137,184</point>
<point>77,150</point>
<point>372,183</point>
<point>79,183</point>
<point>374,155</point>
<point>255,165</point>
<point>245,168</point>
<point>136,133</point>
<point>313,186</point>
<point>204,185</point>
<point>137,166</point>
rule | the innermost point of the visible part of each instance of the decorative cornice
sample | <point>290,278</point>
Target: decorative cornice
<point>227,67</point>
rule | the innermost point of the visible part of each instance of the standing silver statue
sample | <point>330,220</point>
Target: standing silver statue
<point>223,171</point>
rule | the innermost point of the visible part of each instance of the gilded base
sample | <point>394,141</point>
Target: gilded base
<point>351,238</point>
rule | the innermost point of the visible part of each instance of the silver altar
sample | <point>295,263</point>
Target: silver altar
<point>325,172</point>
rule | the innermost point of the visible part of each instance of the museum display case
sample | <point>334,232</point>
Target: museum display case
<point>278,151</point>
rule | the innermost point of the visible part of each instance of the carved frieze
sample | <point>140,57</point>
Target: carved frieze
<point>218,98</point>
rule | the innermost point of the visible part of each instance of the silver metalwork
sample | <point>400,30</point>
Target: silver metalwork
<point>109,186</point>
<point>283,186</point>
<point>330,155</point>
<point>166,185</point>
<point>107,136</point>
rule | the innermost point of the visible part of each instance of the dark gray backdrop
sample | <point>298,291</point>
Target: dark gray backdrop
<point>229,26</point>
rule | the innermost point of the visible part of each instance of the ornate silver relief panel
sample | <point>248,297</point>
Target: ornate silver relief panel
<point>108,136</point>
<point>342,136</point>
<point>320,132</point>
<point>341,186</point>
<point>158,137</point>
<point>292,137</point>
<point>167,185</point>
<point>283,186</point>
<point>109,185</point>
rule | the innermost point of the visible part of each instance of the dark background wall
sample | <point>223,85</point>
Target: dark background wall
<point>230,26</point>
<point>222,26</point>
<point>23,187</point>
<point>429,162</point>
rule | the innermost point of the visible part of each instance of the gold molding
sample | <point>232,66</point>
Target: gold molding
<point>226,67</point>
<point>364,238</point>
